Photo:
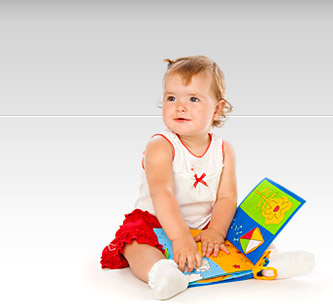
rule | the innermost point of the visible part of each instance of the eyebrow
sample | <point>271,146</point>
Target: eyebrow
<point>191,93</point>
<point>195,94</point>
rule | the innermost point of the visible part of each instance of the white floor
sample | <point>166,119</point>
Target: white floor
<point>65,184</point>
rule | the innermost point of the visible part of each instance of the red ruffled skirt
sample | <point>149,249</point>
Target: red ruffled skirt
<point>137,226</point>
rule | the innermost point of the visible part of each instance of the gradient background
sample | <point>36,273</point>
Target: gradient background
<point>79,83</point>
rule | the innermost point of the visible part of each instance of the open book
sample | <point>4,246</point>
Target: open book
<point>258,220</point>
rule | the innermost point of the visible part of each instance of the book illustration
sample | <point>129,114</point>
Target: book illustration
<point>276,208</point>
<point>258,220</point>
<point>251,240</point>
<point>224,265</point>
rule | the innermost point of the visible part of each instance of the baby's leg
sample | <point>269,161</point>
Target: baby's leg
<point>150,265</point>
<point>141,258</point>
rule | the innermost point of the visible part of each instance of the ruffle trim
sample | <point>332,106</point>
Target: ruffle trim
<point>137,226</point>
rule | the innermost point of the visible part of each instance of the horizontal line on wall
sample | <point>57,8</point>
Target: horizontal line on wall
<point>160,116</point>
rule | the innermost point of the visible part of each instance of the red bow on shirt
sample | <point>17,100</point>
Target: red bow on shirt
<point>199,180</point>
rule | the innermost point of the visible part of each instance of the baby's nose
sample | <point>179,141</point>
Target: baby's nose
<point>182,106</point>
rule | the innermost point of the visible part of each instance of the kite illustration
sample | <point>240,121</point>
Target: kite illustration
<point>251,240</point>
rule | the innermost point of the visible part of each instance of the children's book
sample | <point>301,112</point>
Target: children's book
<point>258,220</point>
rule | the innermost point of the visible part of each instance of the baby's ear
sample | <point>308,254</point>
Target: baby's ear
<point>219,109</point>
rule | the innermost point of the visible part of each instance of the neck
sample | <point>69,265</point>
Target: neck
<point>198,144</point>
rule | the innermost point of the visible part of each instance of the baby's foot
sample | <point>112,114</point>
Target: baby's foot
<point>166,279</point>
<point>289,264</point>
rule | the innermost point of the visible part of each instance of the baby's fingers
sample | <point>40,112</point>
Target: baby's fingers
<point>216,250</point>
<point>198,259</point>
<point>224,248</point>
<point>176,258</point>
<point>190,263</point>
<point>182,262</point>
<point>210,249</point>
<point>203,247</point>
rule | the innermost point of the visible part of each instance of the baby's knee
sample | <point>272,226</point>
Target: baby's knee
<point>130,247</point>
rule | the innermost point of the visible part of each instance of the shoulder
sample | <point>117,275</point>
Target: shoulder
<point>228,152</point>
<point>160,147</point>
<point>228,148</point>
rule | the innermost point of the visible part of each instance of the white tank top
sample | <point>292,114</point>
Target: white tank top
<point>196,180</point>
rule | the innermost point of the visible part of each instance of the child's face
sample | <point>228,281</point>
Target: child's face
<point>189,110</point>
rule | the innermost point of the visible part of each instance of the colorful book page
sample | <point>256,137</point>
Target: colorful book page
<point>244,275</point>
<point>223,267</point>
<point>260,218</point>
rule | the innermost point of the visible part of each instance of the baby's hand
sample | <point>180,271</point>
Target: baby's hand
<point>212,241</point>
<point>186,250</point>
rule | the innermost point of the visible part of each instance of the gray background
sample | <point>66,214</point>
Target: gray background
<point>105,57</point>
<point>66,182</point>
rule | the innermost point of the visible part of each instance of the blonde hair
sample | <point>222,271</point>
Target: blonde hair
<point>187,67</point>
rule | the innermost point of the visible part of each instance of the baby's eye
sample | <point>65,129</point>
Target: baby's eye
<point>171,98</point>
<point>194,99</point>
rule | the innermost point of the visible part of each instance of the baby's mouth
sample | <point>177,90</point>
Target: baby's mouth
<point>181,119</point>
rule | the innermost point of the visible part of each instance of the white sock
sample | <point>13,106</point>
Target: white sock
<point>166,279</point>
<point>289,264</point>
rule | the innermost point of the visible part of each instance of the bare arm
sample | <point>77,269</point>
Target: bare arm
<point>226,202</point>
<point>158,166</point>
<point>224,208</point>
<point>159,173</point>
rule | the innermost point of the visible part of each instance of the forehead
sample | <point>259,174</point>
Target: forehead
<point>201,81</point>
